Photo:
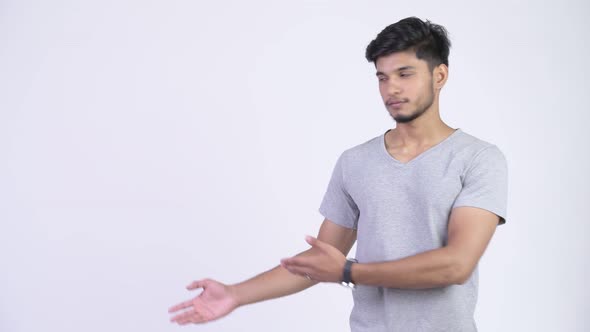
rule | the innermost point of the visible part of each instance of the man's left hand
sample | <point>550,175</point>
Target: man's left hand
<point>324,262</point>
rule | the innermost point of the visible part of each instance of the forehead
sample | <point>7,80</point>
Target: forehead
<point>393,62</point>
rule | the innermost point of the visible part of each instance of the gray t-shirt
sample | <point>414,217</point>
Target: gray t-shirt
<point>402,209</point>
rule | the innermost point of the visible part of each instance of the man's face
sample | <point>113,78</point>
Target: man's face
<point>405,84</point>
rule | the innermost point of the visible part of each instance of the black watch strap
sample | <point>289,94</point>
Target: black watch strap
<point>346,273</point>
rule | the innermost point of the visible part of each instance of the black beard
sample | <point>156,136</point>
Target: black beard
<point>411,117</point>
<point>416,114</point>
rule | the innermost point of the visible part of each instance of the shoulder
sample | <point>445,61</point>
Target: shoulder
<point>471,148</point>
<point>477,153</point>
<point>362,151</point>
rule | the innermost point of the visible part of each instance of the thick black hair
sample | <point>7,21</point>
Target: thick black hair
<point>430,41</point>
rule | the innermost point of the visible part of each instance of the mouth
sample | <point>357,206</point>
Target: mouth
<point>395,103</point>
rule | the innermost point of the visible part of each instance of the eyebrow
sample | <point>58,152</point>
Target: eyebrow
<point>399,69</point>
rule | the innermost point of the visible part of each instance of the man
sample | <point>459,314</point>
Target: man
<point>422,200</point>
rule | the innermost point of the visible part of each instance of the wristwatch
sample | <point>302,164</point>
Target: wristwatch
<point>346,273</point>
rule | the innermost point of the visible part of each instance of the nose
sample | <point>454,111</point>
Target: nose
<point>393,87</point>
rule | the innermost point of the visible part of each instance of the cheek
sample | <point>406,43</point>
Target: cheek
<point>383,91</point>
<point>419,91</point>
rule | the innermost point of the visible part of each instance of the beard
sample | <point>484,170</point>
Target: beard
<point>420,109</point>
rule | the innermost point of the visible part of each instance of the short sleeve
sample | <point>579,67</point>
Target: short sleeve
<point>485,183</point>
<point>337,204</point>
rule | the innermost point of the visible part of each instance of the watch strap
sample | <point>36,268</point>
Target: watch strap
<point>346,273</point>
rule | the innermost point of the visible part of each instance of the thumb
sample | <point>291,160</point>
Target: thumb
<point>197,284</point>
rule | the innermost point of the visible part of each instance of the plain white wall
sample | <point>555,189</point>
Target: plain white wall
<point>145,144</point>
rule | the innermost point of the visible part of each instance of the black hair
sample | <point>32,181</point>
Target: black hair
<point>430,41</point>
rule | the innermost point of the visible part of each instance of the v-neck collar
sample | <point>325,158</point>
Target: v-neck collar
<point>383,147</point>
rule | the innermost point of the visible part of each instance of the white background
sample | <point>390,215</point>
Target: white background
<point>146,144</point>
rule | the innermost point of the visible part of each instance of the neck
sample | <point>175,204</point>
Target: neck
<point>427,129</point>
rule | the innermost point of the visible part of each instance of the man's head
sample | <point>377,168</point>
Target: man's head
<point>411,58</point>
<point>427,40</point>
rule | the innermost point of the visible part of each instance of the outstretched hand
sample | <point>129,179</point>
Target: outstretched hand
<point>216,301</point>
<point>324,263</point>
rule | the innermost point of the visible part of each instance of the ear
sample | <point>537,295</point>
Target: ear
<point>439,76</point>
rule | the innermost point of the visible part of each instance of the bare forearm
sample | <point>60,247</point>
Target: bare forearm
<point>279,281</point>
<point>271,284</point>
<point>435,268</point>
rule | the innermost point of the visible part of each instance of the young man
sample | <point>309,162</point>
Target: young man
<point>422,200</point>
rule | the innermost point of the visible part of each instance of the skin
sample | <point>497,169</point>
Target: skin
<point>217,299</point>
<point>410,91</point>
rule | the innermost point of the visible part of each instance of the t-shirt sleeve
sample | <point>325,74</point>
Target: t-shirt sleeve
<point>485,183</point>
<point>337,204</point>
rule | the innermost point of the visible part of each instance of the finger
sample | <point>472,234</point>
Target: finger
<point>315,242</point>
<point>187,319</point>
<point>197,284</point>
<point>296,260</point>
<point>182,305</point>
<point>184,317</point>
<point>289,264</point>
<point>299,261</point>
<point>195,317</point>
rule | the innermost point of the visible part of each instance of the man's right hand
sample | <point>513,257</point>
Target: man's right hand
<point>216,301</point>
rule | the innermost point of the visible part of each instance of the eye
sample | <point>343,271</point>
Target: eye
<point>405,74</point>
<point>381,78</point>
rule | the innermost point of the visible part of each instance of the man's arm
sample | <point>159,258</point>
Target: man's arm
<point>470,230</point>
<point>218,300</point>
<point>279,282</point>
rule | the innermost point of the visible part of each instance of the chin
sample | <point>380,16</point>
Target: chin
<point>403,118</point>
